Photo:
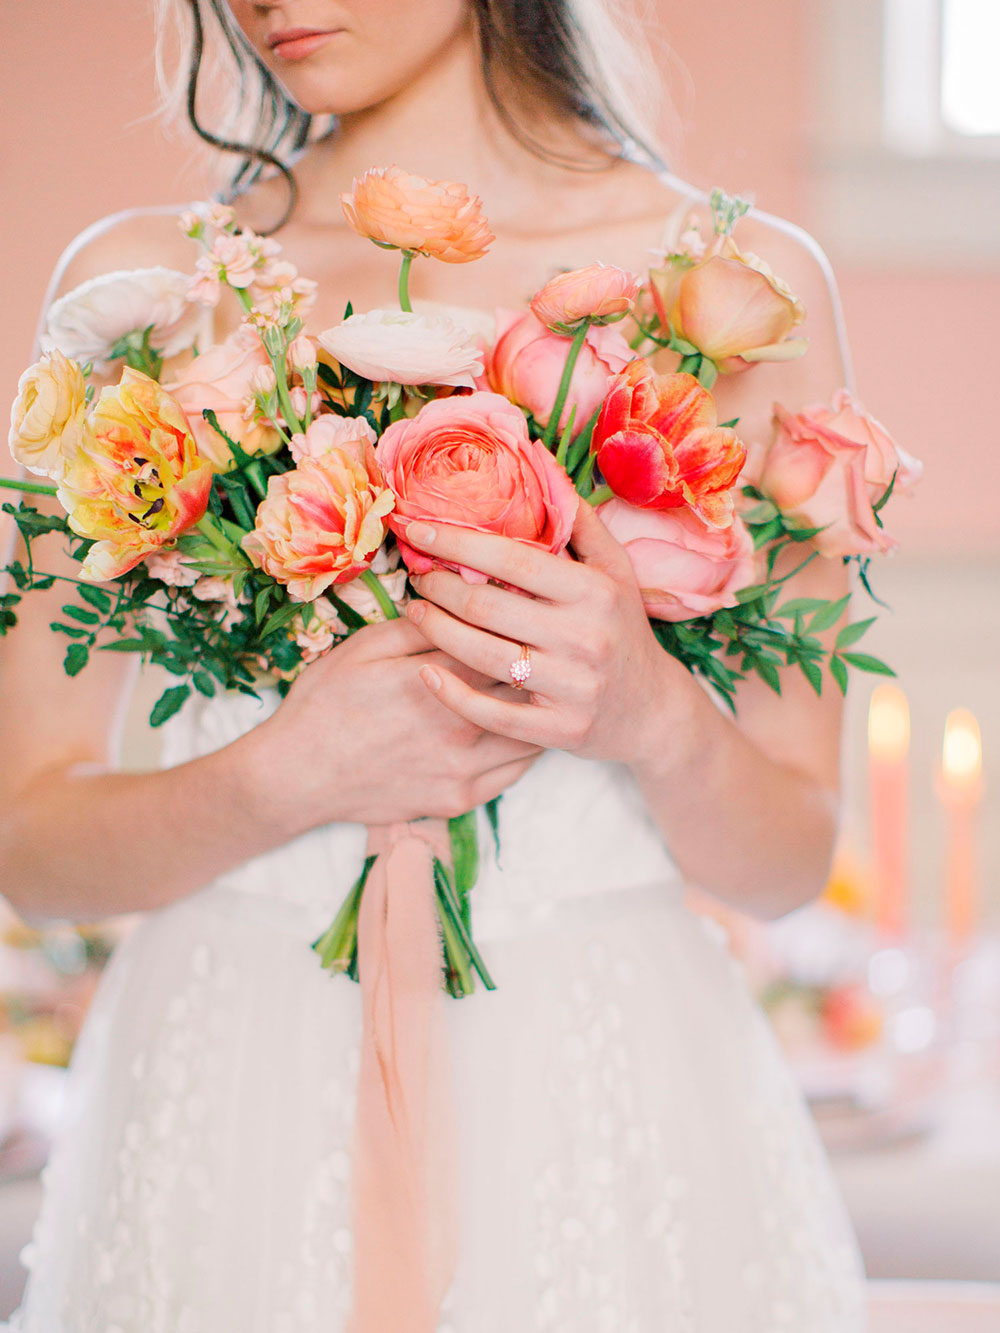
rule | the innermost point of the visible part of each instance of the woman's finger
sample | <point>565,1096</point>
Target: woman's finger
<point>484,652</point>
<point>488,786</point>
<point>510,614</point>
<point>553,577</point>
<point>519,721</point>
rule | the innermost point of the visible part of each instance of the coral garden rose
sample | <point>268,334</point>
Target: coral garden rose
<point>330,432</point>
<point>87,322</point>
<point>684,568</point>
<point>527,361</point>
<point>322,522</point>
<point>659,445</point>
<point>136,481</point>
<point>469,461</point>
<point>401,347</point>
<point>828,466</point>
<point>223,378</point>
<point>440,219</point>
<point>47,415</point>
<point>600,292</point>
<point>729,305</point>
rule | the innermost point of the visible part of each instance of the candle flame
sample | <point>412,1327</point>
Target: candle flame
<point>962,757</point>
<point>889,724</point>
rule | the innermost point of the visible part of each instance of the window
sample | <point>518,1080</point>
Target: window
<point>907,131</point>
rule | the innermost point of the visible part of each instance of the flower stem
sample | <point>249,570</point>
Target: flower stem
<point>215,535</point>
<point>599,495</point>
<point>386,603</point>
<point>564,383</point>
<point>404,282</point>
<point>29,487</point>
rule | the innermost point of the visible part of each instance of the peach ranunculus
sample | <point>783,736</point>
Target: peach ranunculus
<point>601,293</point>
<point>468,460</point>
<point>136,481</point>
<point>322,522</point>
<point>828,466</point>
<point>684,568</point>
<point>401,347</point>
<point>659,445</point>
<point>330,432</point>
<point>729,305</point>
<point>222,378</point>
<point>439,219</point>
<point>527,361</point>
<point>47,416</point>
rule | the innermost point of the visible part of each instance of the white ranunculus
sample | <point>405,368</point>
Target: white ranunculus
<point>87,322</point>
<point>404,348</point>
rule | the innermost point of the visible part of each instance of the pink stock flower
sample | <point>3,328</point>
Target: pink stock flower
<point>171,568</point>
<point>222,379</point>
<point>599,292</point>
<point>828,466</point>
<point>321,523</point>
<point>468,460</point>
<point>236,259</point>
<point>526,365</point>
<point>684,568</point>
<point>659,445</point>
<point>435,218</point>
<point>331,432</point>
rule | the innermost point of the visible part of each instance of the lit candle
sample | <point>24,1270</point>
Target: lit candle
<point>889,749</point>
<point>961,789</point>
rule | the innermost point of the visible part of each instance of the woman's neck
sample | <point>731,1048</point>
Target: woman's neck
<point>443,125</point>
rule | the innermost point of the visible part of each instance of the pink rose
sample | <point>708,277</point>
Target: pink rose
<point>684,568</point>
<point>321,523</point>
<point>527,362</point>
<point>468,460</point>
<point>600,292</point>
<point>330,432</point>
<point>222,379</point>
<point>828,466</point>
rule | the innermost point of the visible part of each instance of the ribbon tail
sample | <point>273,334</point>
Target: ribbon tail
<point>404,1170</point>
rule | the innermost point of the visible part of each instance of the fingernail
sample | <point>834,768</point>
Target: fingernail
<point>430,678</point>
<point>422,534</point>
<point>416,611</point>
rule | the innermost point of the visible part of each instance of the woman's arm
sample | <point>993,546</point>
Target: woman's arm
<point>747,806</point>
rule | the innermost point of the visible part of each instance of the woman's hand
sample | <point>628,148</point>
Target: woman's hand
<point>598,675</point>
<point>359,738</point>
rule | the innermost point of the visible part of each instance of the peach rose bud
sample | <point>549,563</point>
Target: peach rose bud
<point>439,219</point>
<point>601,293</point>
<point>323,522</point>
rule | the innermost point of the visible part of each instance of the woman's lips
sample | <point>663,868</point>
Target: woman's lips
<point>297,43</point>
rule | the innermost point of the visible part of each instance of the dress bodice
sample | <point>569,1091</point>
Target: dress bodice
<point>570,828</point>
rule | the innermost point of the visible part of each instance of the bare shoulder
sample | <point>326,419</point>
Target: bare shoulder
<point>134,238</point>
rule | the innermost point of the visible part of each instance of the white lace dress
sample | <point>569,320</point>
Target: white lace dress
<point>634,1154</point>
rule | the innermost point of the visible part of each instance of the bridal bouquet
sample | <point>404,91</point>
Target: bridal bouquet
<point>239,509</point>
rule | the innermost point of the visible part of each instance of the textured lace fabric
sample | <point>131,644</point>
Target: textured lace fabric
<point>634,1155</point>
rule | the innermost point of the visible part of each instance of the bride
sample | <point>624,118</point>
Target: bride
<point>633,1155</point>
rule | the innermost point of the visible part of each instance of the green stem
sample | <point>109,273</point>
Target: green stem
<point>599,495</point>
<point>386,603</point>
<point>29,487</point>
<point>215,535</point>
<point>404,282</point>
<point>567,375</point>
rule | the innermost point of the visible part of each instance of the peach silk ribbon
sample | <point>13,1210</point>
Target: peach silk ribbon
<point>404,1171</point>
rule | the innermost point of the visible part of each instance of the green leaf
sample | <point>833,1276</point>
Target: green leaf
<point>351,618</point>
<point>767,532</point>
<point>839,672</point>
<point>464,850</point>
<point>125,646</point>
<point>83,616</point>
<point>169,703</point>
<point>260,603</point>
<point>77,657</point>
<point>812,674</point>
<point>282,617</point>
<point>829,615</point>
<point>803,606</point>
<point>768,673</point>
<point>204,683</point>
<point>492,809</point>
<point>853,632</point>
<point>95,596</point>
<point>864,662</point>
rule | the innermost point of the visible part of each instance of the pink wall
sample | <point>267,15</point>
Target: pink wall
<point>76,146</point>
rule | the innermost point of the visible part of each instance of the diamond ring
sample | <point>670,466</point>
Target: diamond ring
<point>520,668</point>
